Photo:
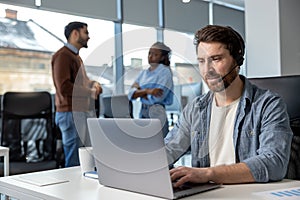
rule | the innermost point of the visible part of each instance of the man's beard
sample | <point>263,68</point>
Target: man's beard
<point>82,42</point>
<point>227,81</point>
<point>223,82</point>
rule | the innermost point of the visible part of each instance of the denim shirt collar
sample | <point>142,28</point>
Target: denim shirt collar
<point>204,101</point>
<point>247,95</point>
<point>72,48</point>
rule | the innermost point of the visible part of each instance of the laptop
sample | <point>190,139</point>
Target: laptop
<point>130,155</point>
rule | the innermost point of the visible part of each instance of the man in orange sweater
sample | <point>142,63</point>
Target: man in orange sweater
<point>75,92</point>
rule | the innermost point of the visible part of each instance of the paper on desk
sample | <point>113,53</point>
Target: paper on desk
<point>39,180</point>
<point>285,193</point>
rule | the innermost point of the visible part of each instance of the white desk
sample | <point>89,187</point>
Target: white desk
<point>80,188</point>
<point>4,151</point>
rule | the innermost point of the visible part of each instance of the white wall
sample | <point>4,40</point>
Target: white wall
<point>290,40</point>
<point>262,38</point>
<point>272,36</point>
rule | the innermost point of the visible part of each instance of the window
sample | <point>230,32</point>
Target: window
<point>136,43</point>
<point>26,50</point>
<point>183,54</point>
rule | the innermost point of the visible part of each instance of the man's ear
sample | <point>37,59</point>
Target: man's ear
<point>75,33</point>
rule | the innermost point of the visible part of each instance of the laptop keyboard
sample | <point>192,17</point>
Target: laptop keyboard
<point>185,186</point>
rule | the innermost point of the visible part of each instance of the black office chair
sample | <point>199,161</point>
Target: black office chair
<point>27,129</point>
<point>117,106</point>
<point>288,88</point>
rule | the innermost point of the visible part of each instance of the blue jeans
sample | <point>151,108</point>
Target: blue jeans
<point>73,127</point>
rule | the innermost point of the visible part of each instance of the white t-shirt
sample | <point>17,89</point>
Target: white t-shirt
<point>221,147</point>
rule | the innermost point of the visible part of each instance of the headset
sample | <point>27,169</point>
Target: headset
<point>240,56</point>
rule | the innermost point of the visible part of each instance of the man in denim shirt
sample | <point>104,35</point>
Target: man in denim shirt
<point>237,132</point>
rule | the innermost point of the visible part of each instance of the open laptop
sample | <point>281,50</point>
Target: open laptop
<point>130,155</point>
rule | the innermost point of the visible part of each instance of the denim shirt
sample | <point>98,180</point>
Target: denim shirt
<point>262,134</point>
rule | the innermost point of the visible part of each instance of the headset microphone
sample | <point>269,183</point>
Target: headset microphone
<point>229,72</point>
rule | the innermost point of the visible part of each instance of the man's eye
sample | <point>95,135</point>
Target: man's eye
<point>216,59</point>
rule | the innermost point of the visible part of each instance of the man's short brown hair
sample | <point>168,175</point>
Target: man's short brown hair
<point>225,35</point>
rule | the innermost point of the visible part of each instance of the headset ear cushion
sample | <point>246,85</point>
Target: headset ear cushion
<point>240,60</point>
<point>240,56</point>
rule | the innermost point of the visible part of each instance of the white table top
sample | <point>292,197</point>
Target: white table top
<point>79,187</point>
<point>4,151</point>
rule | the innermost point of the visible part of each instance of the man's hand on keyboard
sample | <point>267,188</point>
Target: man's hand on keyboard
<point>189,174</point>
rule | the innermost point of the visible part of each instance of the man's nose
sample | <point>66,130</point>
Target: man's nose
<point>208,65</point>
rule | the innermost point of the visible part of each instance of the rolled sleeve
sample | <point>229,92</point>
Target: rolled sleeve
<point>274,139</point>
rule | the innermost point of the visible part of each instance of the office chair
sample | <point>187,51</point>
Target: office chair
<point>117,106</point>
<point>176,107</point>
<point>287,87</point>
<point>27,129</point>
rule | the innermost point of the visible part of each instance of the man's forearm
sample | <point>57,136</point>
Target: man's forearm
<point>227,174</point>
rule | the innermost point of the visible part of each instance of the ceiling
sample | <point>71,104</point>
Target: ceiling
<point>240,3</point>
<point>234,3</point>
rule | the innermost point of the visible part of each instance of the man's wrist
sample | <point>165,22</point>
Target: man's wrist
<point>210,174</point>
